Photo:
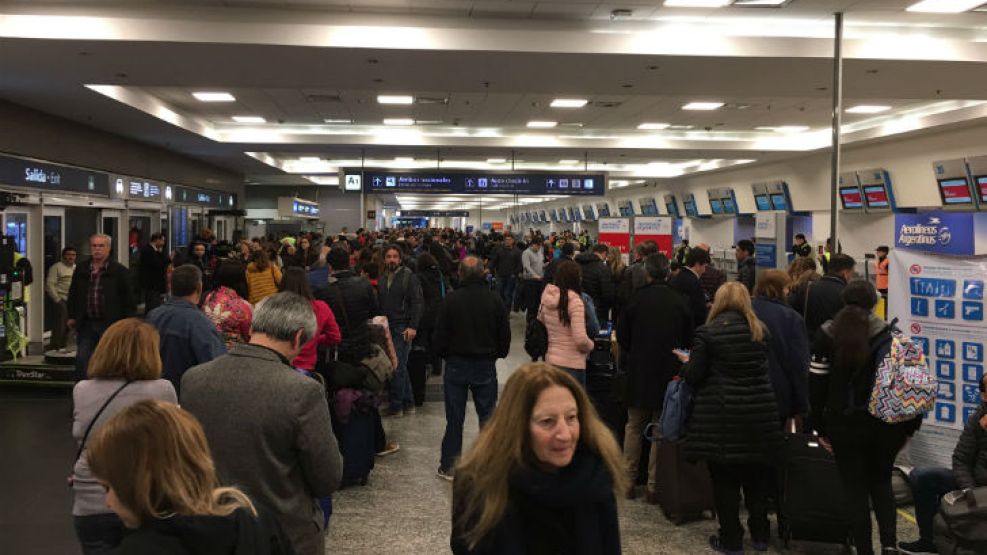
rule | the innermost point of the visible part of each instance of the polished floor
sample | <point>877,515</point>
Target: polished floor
<point>405,509</point>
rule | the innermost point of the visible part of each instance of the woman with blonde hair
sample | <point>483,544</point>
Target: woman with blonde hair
<point>153,461</point>
<point>263,277</point>
<point>125,368</point>
<point>542,476</point>
<point>734,424</point>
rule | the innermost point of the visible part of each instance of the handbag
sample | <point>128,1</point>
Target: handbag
<point>536,337</point>
<point>89,428</point>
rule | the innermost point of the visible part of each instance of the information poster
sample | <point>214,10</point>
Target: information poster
<point>616,232</point>
<point>657,229</point>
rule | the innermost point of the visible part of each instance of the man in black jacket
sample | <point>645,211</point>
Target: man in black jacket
<point>472,331</point>
<point>400,295</point>
<point>505,263</point>
<point>153,267</point>
<point>824,295</point>
<point>746,269</point>
<point>969,470</point>
<point>353,302</point>
<point>566,252</point>
<point>100,294</point>
<point>598,280</point>
<point>687,283</point>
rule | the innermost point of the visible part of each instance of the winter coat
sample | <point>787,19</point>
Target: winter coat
<point>686,282</point>
<point>735,416</point>
<point>970,455</point>
<point>401,299</point>
<point>506,262</point>
<point>656,321</point>
<point>598,283</point>
<point>326,334</point>
<point>262,284</point>
<point>788,355</point>
<point>241,533</point>
<point>353,301</point>
<point>746,271</point>
<point>823,303</point>
<point>567,345</point>
<point>435,287</point>
<point>472,323</point>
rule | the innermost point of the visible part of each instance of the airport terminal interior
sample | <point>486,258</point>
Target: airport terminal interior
<point>687,123</point>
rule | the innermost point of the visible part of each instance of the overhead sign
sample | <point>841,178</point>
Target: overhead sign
<point>942,232</point>
<point>353,182</point>
<point>473,182</point>
<point>51,177</point>
<point>137,189</point>
<point>201,197</point>
<point>433,213</point>
<point>293,207</point>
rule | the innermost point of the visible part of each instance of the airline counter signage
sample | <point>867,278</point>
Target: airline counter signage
<point>941,232</point>
<point>616,232</point>
<point>657,229</point>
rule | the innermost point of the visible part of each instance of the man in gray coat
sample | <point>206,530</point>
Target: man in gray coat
<point>268,425</point>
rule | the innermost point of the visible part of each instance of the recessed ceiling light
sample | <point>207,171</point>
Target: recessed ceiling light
<point>653,126</point>
<point>703,106</point>
<point>867,109</point>
<point>944,6</point>
<point>697,3</point>
<point>399,121</point>
<point>395,99</point>
<point>496,160</point>
<point>542,124</point>
<point>338,121</point>
<point>569,103</point>
<point>249,119</point>
<point>214,97</point>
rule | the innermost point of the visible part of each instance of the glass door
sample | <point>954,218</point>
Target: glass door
<point>15,225</point>
<point>110,225</point>
<point>53,222</point>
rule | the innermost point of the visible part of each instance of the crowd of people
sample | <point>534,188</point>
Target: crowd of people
<point>251,338</point>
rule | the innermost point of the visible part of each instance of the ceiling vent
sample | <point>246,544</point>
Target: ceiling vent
<point>605,104</point>
<point>323,98</point>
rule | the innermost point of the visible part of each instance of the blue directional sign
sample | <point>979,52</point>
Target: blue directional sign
<point>973,352</point>
<point>973,289</point>
<point>920,307</point>
<point>946,412</point>
<point>945,370</point>
<point>922,342</point>
<point>945,348</point>
<point>947,309</point>
<point>973,373</point>
<point>973,311</point>
<point>932,287</point>
<point>971,395</point>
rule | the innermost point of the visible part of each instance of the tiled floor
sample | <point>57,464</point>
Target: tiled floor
<point>404,510</point>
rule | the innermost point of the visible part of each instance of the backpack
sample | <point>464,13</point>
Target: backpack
<point>536,338</point>
<point>675,410</point>
<point>904,388</point>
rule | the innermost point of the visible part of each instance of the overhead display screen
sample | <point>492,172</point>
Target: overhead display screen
<point>649,206</point>
<point>588,212</point>
<point>763,202</point>
<point>473,182</point>
<point>626,208</point>
<point>553,215</point>
<point>778,202</point>
<point>690,207</point>
<point>604,209</point>
<point>955,192</point>
<point>876,196</point>
<point>51,177</point>
<point>982,188</point>
<point>729,206</point>
<point>716,205</point>
<point>851,197</point>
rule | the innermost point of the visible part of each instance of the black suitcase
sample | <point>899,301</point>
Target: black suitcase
<point>813,505</point>
<point>417,359</point>
<point>685,489</point>
<point>356,440</point>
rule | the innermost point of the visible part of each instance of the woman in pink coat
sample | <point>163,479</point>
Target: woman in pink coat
<point>564,315</point>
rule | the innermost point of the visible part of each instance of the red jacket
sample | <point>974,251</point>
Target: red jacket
<point>326,333</point>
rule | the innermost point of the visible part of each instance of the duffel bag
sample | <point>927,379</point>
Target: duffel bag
<point>960,528</point>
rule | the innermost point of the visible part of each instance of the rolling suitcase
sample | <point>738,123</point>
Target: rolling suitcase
<point>813,507</point>
<point>356,439</point>
<point>685,490</point>
<point>417,359</point>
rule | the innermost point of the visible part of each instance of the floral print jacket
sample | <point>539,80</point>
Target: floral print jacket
<point>230,313</point>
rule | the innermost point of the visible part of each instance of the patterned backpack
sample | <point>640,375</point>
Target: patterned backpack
<point>904,388</point>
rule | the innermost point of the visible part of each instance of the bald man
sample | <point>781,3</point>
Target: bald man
<point>472,330</point>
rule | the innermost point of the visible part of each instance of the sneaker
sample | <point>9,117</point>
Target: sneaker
<point>409,411</point>
<point>714,542</point>
<point>916,547</point>
<point>760,546</point>
<point>392,413</point>
<point>390,448</point>
<point>445,474</point>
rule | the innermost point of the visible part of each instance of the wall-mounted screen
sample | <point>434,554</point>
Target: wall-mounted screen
<point>649,207</point>
<point>672,206</point>
<point>955,192</point>
<point>553,215</point>
<point>588,213</point>
<point>626,208</point>
<point>876,196</point>
<point>604,209</point>
<point>763,202</point>
<point>544,217</point>
<point>690,206</point>
<point>729,206</point>
<point>851,198</point>
<point>982,188</point>
<point>715,205</point>
<point>778,202</point>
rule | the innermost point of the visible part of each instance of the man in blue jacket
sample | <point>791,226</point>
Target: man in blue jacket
<point>188,337</point>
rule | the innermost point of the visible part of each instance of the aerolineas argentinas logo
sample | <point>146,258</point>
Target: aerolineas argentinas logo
<point>930,233</point>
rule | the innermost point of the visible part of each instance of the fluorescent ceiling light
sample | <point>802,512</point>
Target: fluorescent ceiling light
<point>404,159</point>
<point>338,121</point>
<point>759,3</point>
<point>703,106</point>
<point>944,6</point>
<point>568,162</point>
<point>653,126</point>
<point>569,103</point>
<point>784,128</point>
<point>249,119</point>
<point>697,3</point>
<point>395,99</point>
<point>214,97</point>
<point>680,127</point>
<point>867,109</point>
<point>542,124</point>
<point>399,121</point>
<point>496,160</point>
<point>309,159</point>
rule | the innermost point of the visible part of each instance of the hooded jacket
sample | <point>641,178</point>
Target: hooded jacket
<point>567,345</point>
<point>598,283</point>
<point>970,455</point>
<point>237,534</point>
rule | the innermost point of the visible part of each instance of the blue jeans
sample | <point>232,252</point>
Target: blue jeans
<point>99,534</point>
<point>505,288</point>
<point>89,334</point>
<point>462,374</point>
<point>929,484</point>
<point>401,393</point>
